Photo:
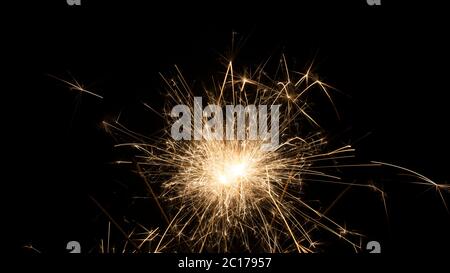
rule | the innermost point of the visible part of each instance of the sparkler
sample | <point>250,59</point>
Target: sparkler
<point>229,195</point>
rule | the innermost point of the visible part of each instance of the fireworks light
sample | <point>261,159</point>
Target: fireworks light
<point>230,195</point>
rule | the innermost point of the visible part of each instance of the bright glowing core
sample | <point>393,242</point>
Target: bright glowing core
<point>232,172</point>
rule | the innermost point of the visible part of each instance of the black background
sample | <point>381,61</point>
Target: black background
<point>392,62</point>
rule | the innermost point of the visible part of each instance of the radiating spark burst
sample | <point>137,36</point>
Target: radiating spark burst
<point>229,195</point>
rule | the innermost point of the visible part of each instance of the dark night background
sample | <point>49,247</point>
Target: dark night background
<point>392,62</point>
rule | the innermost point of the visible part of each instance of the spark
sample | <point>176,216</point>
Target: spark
<point>32,248</point>
<point>423,180</point>
<point>76,86</point>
